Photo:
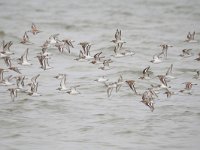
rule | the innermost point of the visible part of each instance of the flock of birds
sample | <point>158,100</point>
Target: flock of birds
<point>31,88</point>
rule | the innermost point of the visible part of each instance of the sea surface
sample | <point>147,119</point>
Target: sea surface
<point>91,120</point>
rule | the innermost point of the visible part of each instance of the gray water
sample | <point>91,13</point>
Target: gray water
<point>91,120</point>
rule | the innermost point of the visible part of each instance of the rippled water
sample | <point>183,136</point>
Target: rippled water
<point>90,120</point>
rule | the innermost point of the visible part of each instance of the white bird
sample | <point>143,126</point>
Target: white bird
<point>34,29</point>
<point>190,37</point>
<point>110,87</point>
<point>23,60</point>
<point>62,82</point>
<point>145,73</point>
<point>186,53</point>
<point>163,81</point>
<point>168,74</point>
<point>118,38</point>
<point>13,93</point>
<point>73,91</point>
<point>25,39</point>
<point>148,100</point>
<point>197,75</point>
<point>7,81</point>
<point>156,59</point>
<point>101,79</point>
<point>53,39</point>
<point>2,73</point>
<point>106,65</point>
<point>34,88</point>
